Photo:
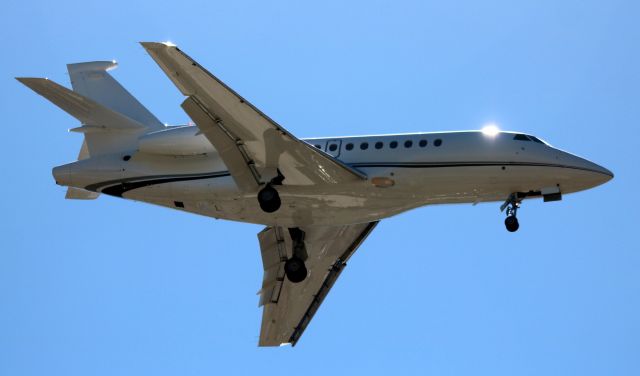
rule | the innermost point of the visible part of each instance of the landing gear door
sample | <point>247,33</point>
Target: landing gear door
<point>333,147</point>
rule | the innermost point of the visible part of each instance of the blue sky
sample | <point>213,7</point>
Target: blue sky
<point>112,287</point>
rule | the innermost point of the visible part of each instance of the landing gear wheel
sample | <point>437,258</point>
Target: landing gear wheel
<point>269,199</point>
<point>511,205</point>
<point>511,223</point>
<point>295,270</point>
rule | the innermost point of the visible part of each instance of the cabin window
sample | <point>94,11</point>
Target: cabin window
<point>364,146</point>
<point>393,144</point>
<point>379,145</point>
<point>349,146</point>
<point>333,147</point>
<point>318,146</point>
<point>437,142</point>
<point>422,143</point>
<point>408,144</point>
<point>521,137</point>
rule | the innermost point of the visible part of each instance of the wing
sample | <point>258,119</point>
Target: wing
<point>253,146</point>
<point>289,307</point>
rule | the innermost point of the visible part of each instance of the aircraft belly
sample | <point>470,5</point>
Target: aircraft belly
<point>358,202</point>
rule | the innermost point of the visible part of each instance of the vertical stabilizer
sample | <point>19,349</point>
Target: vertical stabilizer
<point>92,80</point>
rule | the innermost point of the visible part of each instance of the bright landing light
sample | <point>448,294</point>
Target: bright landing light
<point>490,130</point>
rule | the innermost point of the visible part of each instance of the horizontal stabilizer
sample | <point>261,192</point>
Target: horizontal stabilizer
<point>90,113</point>
<point>80,194</point>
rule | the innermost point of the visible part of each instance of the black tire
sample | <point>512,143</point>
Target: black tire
<point>511,223</point>
<point>295,270</point>
<point>269,199</point>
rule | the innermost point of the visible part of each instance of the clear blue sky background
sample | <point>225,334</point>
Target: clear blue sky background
<point>112,287</point>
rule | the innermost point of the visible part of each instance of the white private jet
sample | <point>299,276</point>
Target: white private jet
<point>318,198</point>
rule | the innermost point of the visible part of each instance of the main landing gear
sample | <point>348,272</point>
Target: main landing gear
<point>294,267</point>
<point>512,205</point>
<point>295,270</point>
<point>269,199</point>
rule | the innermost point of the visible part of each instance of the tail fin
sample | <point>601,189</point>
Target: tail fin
<point>93,81</point>
<point>112,119</point>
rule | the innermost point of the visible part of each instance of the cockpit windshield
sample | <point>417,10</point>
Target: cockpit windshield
<point>526,137</point>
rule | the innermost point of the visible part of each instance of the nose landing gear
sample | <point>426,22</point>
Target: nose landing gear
<point>512,204</point>
<point>511,223</point>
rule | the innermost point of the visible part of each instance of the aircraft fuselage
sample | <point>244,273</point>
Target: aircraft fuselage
<point>404,171</point>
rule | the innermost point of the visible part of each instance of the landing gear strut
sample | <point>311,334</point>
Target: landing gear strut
<point>294,267</point>
<point>269,199</point>
<point>512,205</point>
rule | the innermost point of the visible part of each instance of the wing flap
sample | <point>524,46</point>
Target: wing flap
<point>275,241</point>
<point>241,167</point>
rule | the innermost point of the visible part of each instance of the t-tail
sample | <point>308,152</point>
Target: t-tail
<point>111,118</point>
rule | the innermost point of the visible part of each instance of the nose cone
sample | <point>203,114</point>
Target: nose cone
<point>608,175</point>
<point>592,174</point>
<point>604,174</point>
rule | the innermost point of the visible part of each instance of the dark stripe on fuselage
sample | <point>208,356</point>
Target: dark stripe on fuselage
<point>120,186</point>
<point>466,164</point>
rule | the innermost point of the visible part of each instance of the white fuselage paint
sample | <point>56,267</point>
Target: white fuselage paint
<point>178,168</point>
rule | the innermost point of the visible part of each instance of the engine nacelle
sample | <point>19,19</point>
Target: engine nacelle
<point>181,140</point>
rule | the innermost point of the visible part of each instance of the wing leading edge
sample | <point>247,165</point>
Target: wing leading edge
<point>289,307</point>
<point>254,146</point>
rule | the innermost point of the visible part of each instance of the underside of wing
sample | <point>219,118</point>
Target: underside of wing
<point>254,146</point>
<point>289,307</point>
